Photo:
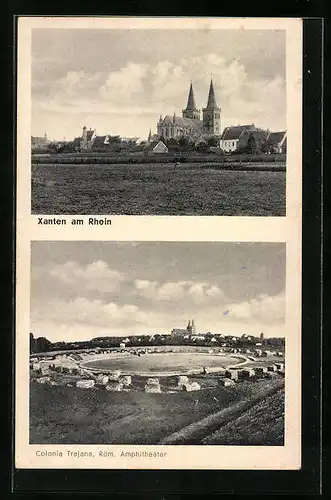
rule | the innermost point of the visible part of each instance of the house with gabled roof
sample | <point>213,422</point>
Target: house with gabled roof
<point>231,136</point>
<point>253,140</point>
<point>138,149</point>
<point>88,137</point>
<point>100,141</point>
<point>39,142</point>
<point>277,142</point>
<point>156,146</point>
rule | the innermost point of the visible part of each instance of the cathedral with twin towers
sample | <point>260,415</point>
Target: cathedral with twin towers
<point>190,124</point>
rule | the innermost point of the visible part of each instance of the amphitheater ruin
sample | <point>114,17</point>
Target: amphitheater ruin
<point>84,370</point>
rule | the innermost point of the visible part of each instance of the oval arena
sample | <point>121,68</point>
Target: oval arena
<point>161,364</point>
<point>153,370</point>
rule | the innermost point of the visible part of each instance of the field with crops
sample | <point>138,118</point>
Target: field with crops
<point>156,189</point>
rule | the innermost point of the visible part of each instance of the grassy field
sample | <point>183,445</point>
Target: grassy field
<point>161,362</point>
<point>255,427</point>
<point>67,415</point>
<point>157,189</point>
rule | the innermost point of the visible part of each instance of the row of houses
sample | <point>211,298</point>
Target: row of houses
<point>234,138</point>
<point>239,138</point>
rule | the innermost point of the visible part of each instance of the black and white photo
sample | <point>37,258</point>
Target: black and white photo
<point>158,245</point>
<point>157,343</point>
<point>159,121</point>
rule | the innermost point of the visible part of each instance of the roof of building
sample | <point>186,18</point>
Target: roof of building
<point>234,132</point>
<point>35,138</point>
<point>76,141</point>
<point>89,134</point>
<point>182,122</point>
<point>191,101</point>
<point>275,138</point>
<point>259,135</point>
<point>100,140</point>
<point>150,146</point>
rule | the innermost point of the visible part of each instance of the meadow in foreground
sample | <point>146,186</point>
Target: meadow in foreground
<point>156,189</point>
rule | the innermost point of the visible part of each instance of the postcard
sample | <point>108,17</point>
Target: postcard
<point>158,294</point>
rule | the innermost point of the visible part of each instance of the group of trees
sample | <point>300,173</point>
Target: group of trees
<point>255,144</point>
<point>186,144</point>
<point>40,344</point>
<point>115,144</point>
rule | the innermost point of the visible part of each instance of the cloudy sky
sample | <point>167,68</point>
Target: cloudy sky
<point>80,290</point>
<point>120,81</point>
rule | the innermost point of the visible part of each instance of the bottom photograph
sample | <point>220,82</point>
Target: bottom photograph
<point>157,343</point>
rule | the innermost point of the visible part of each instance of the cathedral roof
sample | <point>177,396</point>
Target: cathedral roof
<point>182,122</point>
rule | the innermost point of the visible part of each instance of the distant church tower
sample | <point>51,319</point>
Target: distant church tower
<point>191,329</point>
<point>191,110</point>
<point>211,114</point>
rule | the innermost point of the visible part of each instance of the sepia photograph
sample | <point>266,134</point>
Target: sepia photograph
<point>157,343</point>
<point>158,258</point>
<point>158,121</point>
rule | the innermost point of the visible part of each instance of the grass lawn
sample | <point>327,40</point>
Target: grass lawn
<point>178,362</point>
<point>263,424</point>
<point>68,415</point>
<point>156,189</point>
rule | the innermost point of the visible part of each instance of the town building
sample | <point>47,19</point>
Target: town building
<point>190,123</point>
<point>231,135</point>
<point>155,146</point>
<point>188,331</point>
<point>277,142</point>
<point>100,141</point>
<point>86,140</point>
<point>39,142</point>
<point>252,139</point>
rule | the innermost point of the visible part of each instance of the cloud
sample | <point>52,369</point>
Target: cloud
<point>83,318</point>
<point>186,290</point>
<point>122,85</point>
<point>264,308</point>
<point>145,90</point>
<point>95,276</point>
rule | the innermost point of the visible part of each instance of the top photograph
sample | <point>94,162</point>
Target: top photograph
<point>158,121</point>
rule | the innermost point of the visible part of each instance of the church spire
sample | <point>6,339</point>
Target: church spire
<point>191,101</point>
<point>191,111</point>
<point>211,114</point>
<point>149,136</point>
<point>211,97</point>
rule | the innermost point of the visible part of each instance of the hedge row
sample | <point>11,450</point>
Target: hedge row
<point>157,158</point>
